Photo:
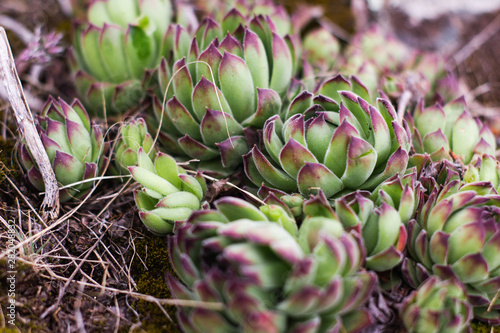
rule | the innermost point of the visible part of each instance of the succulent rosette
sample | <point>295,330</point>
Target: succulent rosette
<point>267,276</point>
<point>134,135</point>
<point>321,49</point>
<point>236,85</point>
<point>73,144</point>
<point>121,40</point>
<point>403,193</point>
<point>450,132</point>
<point>334,141</point>
<point>437,306</point>
<point>168,196</point>
<point>485,168</point>
<point>457,234</point>
<point>382,217</point>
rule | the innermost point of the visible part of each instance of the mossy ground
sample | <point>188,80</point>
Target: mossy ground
<point>479,327</point>
<point>7,165</point>
<point>150,276</point>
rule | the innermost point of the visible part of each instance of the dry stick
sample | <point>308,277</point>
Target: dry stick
<point>216,306</point>
<point>8,73</point>
<point>403,101</point>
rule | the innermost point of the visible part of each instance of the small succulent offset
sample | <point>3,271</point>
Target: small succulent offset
<point>122,39</point>
<point>134,135</point>
<point>335,141</point>
<point>484,168</point>
<point>384,234</point>
<point>73,144</point>
<point>457,234</point>
<point>437,306</point>
<point>236,84</point>
<point>450,132</point>
<point>169,195</point>
<point>268,276</point>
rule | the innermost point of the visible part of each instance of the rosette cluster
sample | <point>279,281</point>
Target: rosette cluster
<point>457,234</point>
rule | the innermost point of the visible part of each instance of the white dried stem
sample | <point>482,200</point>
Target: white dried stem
<point>8,74</point>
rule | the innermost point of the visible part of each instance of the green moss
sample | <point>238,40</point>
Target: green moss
<point>479,327</point>
<point>151,281</point>
<point>8,330</point>
<point>7,166</point>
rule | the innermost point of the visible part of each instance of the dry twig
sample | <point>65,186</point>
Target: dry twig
<point>9,76</point>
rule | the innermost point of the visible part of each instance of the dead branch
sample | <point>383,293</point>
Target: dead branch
<point>26,125</point>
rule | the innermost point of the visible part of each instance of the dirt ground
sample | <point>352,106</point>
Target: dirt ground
<point>97,269</point>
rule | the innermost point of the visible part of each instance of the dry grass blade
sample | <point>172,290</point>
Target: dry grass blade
<point>27,127</point>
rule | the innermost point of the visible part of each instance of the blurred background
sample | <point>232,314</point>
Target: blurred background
<point>466,31</point>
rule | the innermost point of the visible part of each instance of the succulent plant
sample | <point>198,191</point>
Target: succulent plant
<point>321,49</point>
<point>206,115</point>
<point>384,234</point>
<point>437,307</point>
<point>122,39</point>
<point>268,277</point>
<point>404,193</point>
<point>333,142</point>
<point>457,234</point>
<point>450,132</point>
<point>169,195</point>
<point>73,144</point>
<point>485,168</point>
<point>292,203</point>
<point>134,135</point>
<point>381,218</point>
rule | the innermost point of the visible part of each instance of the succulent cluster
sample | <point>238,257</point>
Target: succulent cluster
<point>349,191</point>
<point>457,235</point>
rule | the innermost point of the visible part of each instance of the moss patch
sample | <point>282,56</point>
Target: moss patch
<point>152,281</point>
<point>7,165</point>
<point>479,327</point>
